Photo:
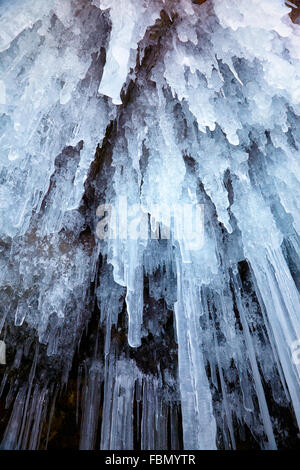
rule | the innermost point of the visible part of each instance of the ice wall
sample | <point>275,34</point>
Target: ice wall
<point>163,105</point>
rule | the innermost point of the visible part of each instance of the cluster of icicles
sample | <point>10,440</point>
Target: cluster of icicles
<point>165,104</point>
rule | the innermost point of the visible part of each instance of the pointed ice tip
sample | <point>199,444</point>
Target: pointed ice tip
<point>134,343</point>
<point>113,94</point>
<point>117,101</point>
<point>134,335</point>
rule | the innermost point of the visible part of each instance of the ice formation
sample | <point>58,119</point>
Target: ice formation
<point>149,342</point>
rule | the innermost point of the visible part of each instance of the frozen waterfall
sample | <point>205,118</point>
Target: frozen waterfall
<point>149,224</point>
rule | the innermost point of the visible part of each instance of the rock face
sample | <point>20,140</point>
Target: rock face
<point>149,224</point>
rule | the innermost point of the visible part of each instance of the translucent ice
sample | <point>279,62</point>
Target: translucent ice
<point>150,110</point>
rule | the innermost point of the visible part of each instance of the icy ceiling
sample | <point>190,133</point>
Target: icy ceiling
<point>150,342</point>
